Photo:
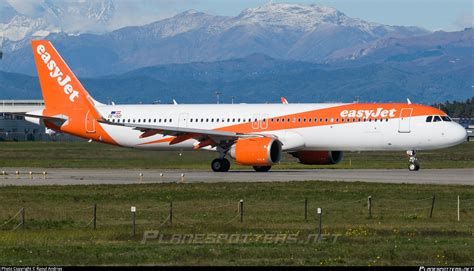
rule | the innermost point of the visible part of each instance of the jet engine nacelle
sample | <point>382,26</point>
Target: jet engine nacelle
<point>261,151</point>
<point>318,157</point>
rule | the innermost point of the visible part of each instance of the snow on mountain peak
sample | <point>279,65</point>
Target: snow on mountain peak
<point>75,16</point>
<point>302,17</point>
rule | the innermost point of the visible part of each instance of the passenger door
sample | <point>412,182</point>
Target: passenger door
<point>90,123</point>
<point>404,121</point>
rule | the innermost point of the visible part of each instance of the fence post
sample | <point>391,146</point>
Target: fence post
<point>23,224</point>
<point>320,215</point>
<point>458,209</point>
<point>133,209</point>
<point>95,216</point>
<point>369,206</point>
<point>171,213</point>
<point>306,209</point>
<point>241,210</point>
<point>432,206</point>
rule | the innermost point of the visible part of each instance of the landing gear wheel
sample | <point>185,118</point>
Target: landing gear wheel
<point>413,161</point>
<point>226,164</point>
<point>414,166</point>
<point>220,165</point>
<point>262,168</point>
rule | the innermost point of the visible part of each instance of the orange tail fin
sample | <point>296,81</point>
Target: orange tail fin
<point>64,95</point>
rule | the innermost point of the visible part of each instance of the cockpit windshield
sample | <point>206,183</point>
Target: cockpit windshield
<point>437,118</point>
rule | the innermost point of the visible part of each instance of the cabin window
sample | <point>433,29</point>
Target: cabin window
<point>138,120</point>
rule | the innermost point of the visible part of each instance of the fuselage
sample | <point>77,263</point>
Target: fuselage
<point>341,127</point>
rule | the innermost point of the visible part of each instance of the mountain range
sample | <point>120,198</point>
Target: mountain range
<point>307,53</point>
<point>283,31</point>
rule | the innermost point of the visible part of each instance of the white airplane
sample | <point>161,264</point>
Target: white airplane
<point>252,134</point>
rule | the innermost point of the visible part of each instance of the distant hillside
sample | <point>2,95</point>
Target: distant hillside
<point>259,78</point>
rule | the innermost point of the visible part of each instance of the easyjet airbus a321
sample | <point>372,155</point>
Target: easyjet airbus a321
<point>252,134</point>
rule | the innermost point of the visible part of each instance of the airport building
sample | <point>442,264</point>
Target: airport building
<point>15,128</point>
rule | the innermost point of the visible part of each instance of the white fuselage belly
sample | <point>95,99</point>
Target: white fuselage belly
<point>331,135</point>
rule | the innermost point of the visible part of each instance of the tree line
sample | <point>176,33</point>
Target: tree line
<point>455,109</point>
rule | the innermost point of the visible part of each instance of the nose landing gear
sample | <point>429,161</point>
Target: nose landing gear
<point>413,164</point>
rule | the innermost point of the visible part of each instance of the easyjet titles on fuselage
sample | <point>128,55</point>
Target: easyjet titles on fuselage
<point>380,112</point>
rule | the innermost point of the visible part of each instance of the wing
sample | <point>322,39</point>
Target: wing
<point>205,137</point>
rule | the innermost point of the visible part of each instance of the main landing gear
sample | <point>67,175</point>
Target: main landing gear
<point>220,165</point>
<point>413,164</point>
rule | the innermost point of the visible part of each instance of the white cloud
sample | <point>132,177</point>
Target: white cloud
<point>27,7</point>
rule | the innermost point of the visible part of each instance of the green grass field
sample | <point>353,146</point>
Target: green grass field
<point>95,155</point>
<point>400,231</point>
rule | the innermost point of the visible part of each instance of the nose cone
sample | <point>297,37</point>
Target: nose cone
<point>458,134</point>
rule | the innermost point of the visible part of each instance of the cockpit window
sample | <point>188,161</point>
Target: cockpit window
<point>429,118</point>
<point>436,119</point>
<point>446,118</point>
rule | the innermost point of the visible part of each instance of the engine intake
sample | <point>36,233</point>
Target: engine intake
<point>261,151</point>
<point>318,157</point>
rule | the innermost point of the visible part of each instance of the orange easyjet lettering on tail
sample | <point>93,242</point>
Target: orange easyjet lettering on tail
<point>64,95</point>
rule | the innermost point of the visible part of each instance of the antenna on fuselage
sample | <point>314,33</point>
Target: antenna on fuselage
<point>408,101</point>
<point>174,101</point>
